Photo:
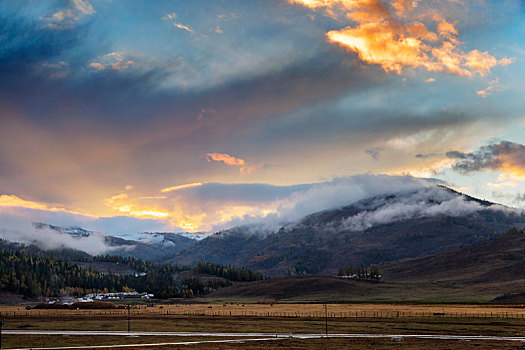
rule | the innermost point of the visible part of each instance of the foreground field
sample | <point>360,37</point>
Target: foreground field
<point>79,342</point>
<point>399,319</point>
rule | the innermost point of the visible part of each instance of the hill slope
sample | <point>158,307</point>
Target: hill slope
<point>374,231</point>
<point>500,259</point>
<point>489,270</point>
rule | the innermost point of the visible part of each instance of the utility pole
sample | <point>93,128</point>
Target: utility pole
<point>2,321</point>
<point>129,318</point>
<point>325,319</point>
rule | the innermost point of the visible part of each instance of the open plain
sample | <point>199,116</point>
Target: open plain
<point>255,325</point>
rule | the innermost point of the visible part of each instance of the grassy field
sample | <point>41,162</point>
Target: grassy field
<point>274,309</point>
<point>372,318</point>
<point>413,325</point>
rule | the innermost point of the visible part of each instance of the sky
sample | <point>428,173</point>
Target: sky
<point>197,115</point>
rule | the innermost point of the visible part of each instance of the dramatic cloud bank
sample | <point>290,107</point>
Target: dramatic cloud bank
<point>401,34</point>
<point>212,207</point>
<point>506,157</point>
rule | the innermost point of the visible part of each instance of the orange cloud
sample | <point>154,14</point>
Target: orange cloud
<point>230,160</point>
<point>180,187</point>
<point>396,36</point>
<point>15,201</point>
<point>494,85</point>
<point>225,158</point>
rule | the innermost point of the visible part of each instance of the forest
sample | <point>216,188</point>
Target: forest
<point>35,275</point>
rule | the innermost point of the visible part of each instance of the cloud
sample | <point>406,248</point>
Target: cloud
<point>171,17</point>
<point>494,86</point>
<point>427,156</point>
<point>505,157</point>
<point>67,17</point>
<point>14,201</point>
<point>113,60</point>
<point>502,184</point>
<point>423,202</point>
<point>374,153</point>
<point>8,201</point>
<point>205,113</point>
<point>398,35</point>
<point>27,211</point>
<point>180,187</point>
<point>58,70</point>
<point>18,229</point>
<point>520,197</point>
<point>345,191</point>
<point>216,206</point>
<point>116,202</point>
<point>230,160</point>
<point>183,27</point>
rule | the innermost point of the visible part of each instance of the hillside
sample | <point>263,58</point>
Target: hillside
<point>490,270</point>
<point>497,260</point>
<point>324,241</point>
<point>298,288</point>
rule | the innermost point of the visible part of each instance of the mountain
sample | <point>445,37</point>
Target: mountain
<point>377,230</point>
<point>74,231</point>
<point>154,247</point>
<point>491,270</point>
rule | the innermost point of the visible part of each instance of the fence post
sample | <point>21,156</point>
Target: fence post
<point>2,321</point>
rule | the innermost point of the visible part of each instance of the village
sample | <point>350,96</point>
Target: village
<point>92,297</point>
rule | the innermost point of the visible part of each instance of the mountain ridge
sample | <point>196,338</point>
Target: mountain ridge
<point>366,232</point>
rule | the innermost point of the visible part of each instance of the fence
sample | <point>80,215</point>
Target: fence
<point>206,311</point>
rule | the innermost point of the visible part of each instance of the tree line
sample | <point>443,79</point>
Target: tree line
<point>44,275</point>
<point>229,272</point>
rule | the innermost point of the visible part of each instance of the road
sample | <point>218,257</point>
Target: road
<point>247,337</point>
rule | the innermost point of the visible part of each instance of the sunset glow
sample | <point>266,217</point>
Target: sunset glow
<point>118,116</point>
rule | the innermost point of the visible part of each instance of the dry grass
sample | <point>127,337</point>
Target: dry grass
<point>302,344</point>
<point>294,310</point>
<point>30,341</point>
<point>361,344</point>
<point>156,319</point>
